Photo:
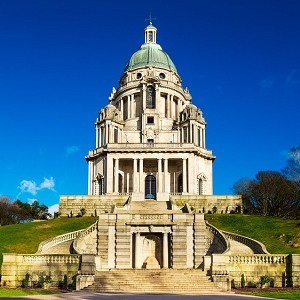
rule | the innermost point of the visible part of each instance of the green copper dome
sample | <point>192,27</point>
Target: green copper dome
<point>152,55</point>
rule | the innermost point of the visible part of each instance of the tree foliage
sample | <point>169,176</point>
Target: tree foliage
<point>270,194</point>
<point>15,212</point>
<point>273,193</point>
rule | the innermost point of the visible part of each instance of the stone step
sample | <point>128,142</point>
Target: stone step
<point>153,281</point>
<point>61,248</point>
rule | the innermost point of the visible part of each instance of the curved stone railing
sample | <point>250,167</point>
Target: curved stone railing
<point>45,245</point>
<point>258,259</point>
<point>219,235</point>
<point>51,258</point>
<point>82,235</point>
<point>255,246</point>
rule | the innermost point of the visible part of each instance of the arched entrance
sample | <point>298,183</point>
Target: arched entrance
<point>150,187</point>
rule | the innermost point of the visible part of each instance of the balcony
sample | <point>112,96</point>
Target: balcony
<point>152,147</point>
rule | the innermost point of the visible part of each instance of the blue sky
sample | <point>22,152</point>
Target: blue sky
<point>60,59</point>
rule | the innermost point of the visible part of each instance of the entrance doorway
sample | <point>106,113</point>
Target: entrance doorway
<point>150,187</point>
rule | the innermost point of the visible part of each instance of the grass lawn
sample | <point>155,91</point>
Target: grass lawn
<point>4,292</point>
<point>25,238</point>
<point>277,234</point>
<point>290,295</point>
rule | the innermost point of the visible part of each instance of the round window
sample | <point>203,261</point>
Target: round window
<point>138,75</point>
<point>162,75</point>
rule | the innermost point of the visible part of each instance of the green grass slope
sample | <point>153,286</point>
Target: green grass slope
<point>25,238</point>
<point>280,236</point>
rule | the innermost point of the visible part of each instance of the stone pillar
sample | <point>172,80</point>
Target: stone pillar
<point>97,136</point>
<point>172,107</point>
<point>135,182</point>
<point>116,176</point>
<point>165,250</point>
<point>184,179</point>
<point>168,107</point>
<point>191,133</point>
<point>141,173</point>
<point>109,175</point>
<point>90,178</point>
<point>203,137</point>
<point>132,107</point>
<point>128,107</point>
<point>127,183</point>
<point>167,184</point>
<point>137,251</point>
<point>144,97</point>
<point>159,175</point>
<point>106,134</point>
<point>122,108</point>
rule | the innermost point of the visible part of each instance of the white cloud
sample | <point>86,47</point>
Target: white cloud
<point>29,186</point>
<point>71,150</point>
<point>48,184</point>
<point>53,208</point>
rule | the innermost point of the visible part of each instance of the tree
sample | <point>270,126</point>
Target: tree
<point>270,194</point>
<point>292,170</point>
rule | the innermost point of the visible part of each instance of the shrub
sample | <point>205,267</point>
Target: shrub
<point>243,282</point>
<point>265,279</point>
<point>25,281</point>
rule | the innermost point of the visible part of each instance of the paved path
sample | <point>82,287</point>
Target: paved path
<point>105,296</point>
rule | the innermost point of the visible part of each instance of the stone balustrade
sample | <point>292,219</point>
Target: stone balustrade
<point>255,246</point>
<point>257,259</point>
<point>128,147</point>
<point>45,245</point>
<point>79,245</point>
<point>222,241</point>
<point>53,258</point>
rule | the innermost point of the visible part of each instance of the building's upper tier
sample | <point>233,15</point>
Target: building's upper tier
<point>150,54</point>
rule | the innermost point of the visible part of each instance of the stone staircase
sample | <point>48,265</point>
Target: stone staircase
<point>153,281</point>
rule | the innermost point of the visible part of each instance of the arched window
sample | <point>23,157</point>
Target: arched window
<point>150,187</point>
<point>202,179</point>
<point>150,97</point>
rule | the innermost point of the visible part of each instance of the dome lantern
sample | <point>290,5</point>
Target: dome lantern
<point>150,34</point>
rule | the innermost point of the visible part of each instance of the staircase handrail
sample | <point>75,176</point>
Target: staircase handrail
<point>83,234</point>
<point>45,245</point>
<point>218,233</point>
<point>256,246</point>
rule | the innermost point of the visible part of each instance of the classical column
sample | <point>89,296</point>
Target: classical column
<point>116,176</point>
<point>106,134</point>
<point>137,251</point>
<point>121,108</point>
<point>132,106</point>
<point>128,107</point>
<point>167,185</point>
<point>159,175</point>
<point>184,181</point>
<point>172,107</point>
<point>135,183</point>
<point>191,133</point>
<point>90,178</point>
<point>203,138</point>
<point>144,97</point>
<point>109,174</point>
<point>165,250</point>
<point>141,174</point>
<point>127,183</point>
<point>97,137</point>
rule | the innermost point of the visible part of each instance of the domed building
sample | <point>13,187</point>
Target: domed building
<point>149,185</point>
<point>150,139</point>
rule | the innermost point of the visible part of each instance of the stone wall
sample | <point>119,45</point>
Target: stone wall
<point>16,266</point>
<point>70,206</point>
<point>284,269</point>
<point>209,203</point>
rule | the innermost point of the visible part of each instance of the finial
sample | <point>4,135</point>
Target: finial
<point>150,19</point>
